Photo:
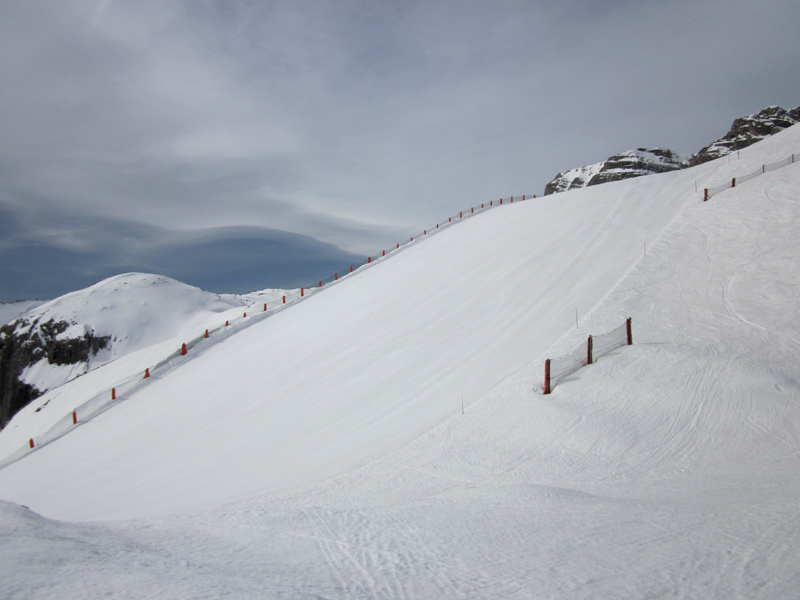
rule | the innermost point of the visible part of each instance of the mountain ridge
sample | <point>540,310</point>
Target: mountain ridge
<point>744,132</point>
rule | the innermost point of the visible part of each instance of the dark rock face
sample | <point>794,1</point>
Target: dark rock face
<point>24,343</point>
<point>633,163</point>
<point>639,162</point>
<point>746,131</point>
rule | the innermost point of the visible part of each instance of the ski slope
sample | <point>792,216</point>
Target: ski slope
<point>323,452</point>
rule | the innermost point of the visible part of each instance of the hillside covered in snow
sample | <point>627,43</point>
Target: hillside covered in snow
<point>55,342</point>
<point>387,436</point>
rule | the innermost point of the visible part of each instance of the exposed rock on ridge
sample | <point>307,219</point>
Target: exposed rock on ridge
<point>635,163</point>
<point>24,343</point>
<point>746,131</point>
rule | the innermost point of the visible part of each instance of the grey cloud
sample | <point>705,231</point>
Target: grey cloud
<point>358,122</point>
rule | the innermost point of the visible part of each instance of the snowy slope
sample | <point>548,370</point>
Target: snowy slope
<point>356,370</point>
<point>132,313</point>
<point>668,469</point>
<point>135,310</point>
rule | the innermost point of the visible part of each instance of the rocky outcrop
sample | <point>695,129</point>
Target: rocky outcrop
<point>746,131</point>
<point>646,161</point>
<point>639,162</point>
<point>23,344</point>
<point>633,163</point>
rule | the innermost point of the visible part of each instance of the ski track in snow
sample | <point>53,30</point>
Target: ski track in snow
<point>667,469</point>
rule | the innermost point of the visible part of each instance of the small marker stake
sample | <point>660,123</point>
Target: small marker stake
<point>284,299</point>
<point>183,346</point>
<point>206,334</point>
<point>146,373</point>
<point>74,417</point>
<point>302,292</point>
<point>244,316</point>
<point>31,442</point>
<point>226,323</point>
<point>265,307</point>
<point>113,393</point>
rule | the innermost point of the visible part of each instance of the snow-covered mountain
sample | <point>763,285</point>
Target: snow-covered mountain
<point>625,165</point>
<point>647,161</point>
<point>387,437</point>
<point>746,131</point>
<point>55,342</point>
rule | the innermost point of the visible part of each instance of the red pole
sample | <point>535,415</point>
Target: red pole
<point>265,307</point>
<point>31,442</point>
<point>146,373</point>
<point>226,323</point>
<point>491,203</point>
<point>183,347</point>
<point>629,331</point>
<point>302,292</point>
<point>351,268</point>
<point>589,351</point>
<point>113,393</point>
<point>523,197</point>
<point>369,259</point>
<point>705,195</point>
<point>320,284</point>
<point>336,277</point>
<point>461,215</point>
<point>547,376</point>
<point>733,182</point>
<point>74,417</point>
<point>425,232</point>
<point>244,316</point>
<point>384,252</point>
<point>284,299</point>
<point>512,199</point>
<point>501,200</point>
<point>206,333</point>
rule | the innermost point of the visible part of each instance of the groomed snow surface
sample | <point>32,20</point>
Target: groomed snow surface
<point>323,453</point>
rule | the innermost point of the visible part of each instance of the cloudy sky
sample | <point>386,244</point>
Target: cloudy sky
<point>128,125</point>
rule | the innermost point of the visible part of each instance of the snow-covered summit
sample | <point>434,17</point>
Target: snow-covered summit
<point>51,344</point>
<point>625,165</point>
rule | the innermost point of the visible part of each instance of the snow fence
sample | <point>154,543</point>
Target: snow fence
<point>105,399</point>
<point>713,191</point>
<point>557,369</point>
